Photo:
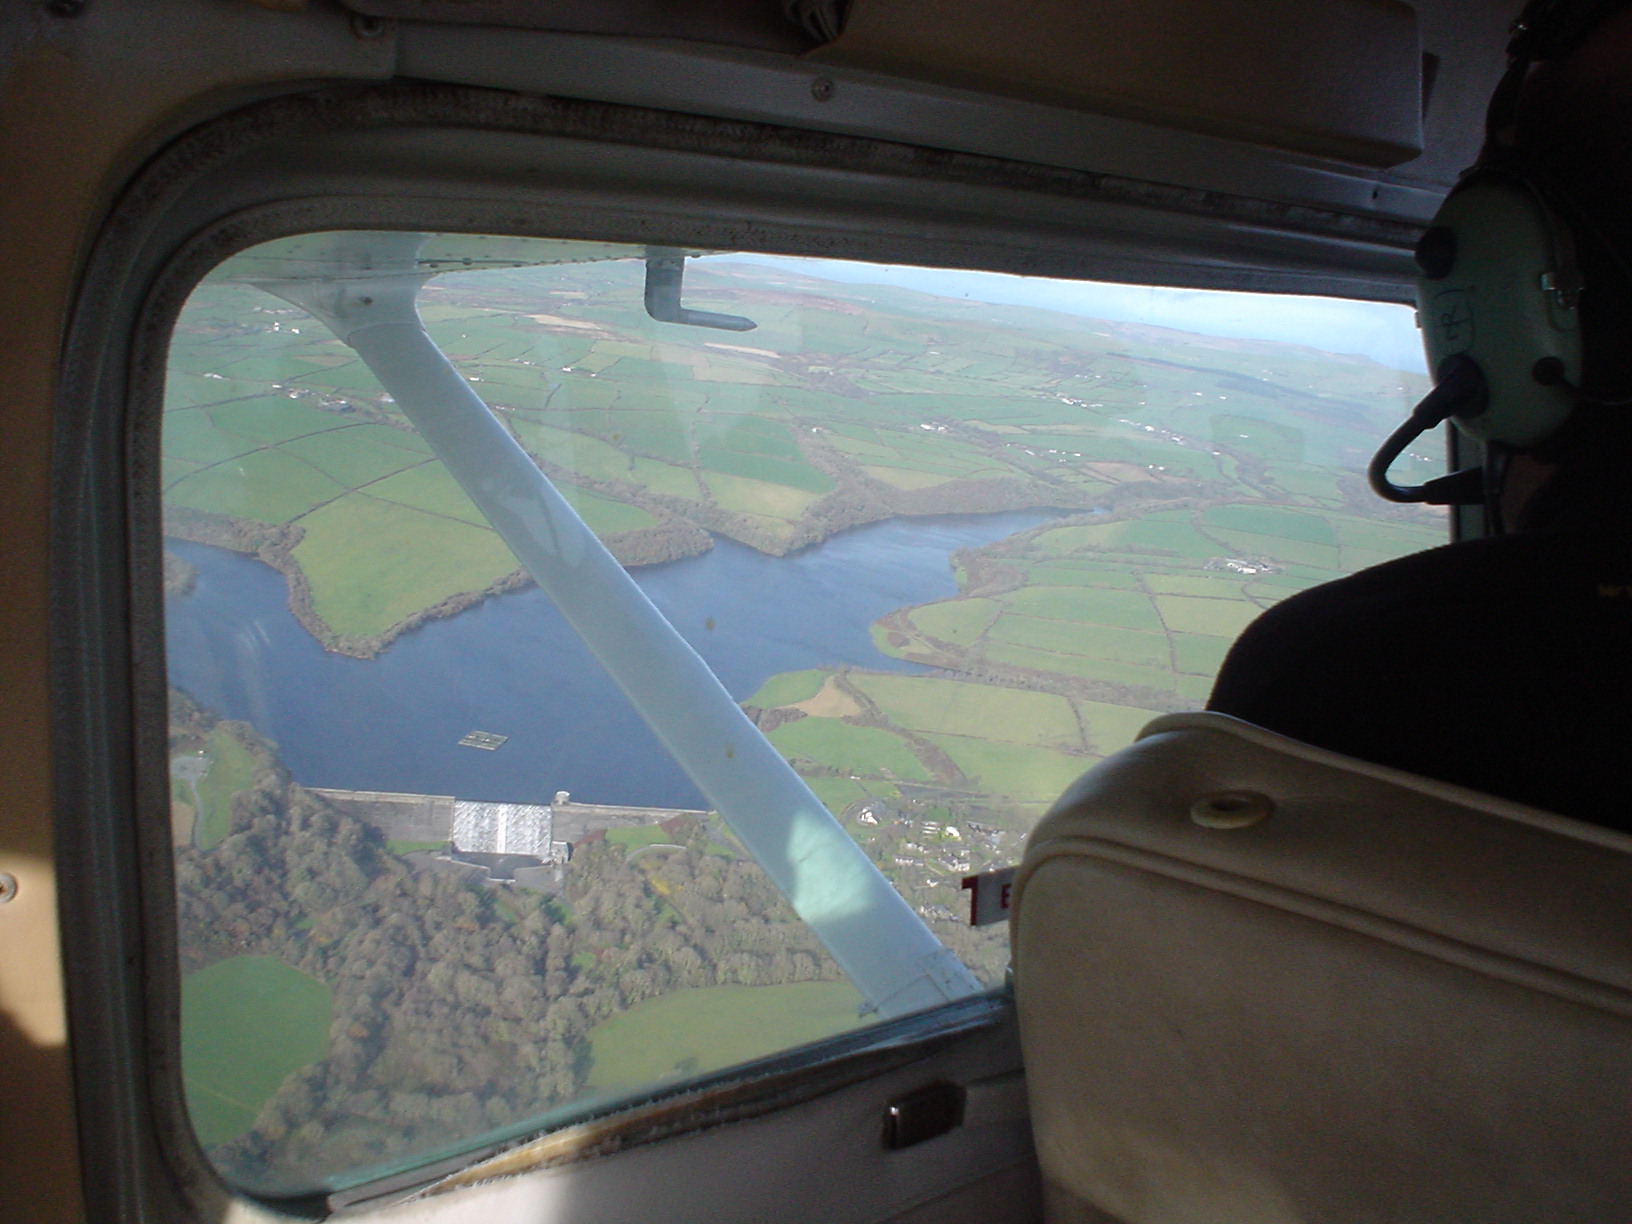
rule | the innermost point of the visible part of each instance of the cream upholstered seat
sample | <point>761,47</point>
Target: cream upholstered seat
<point>1376,998</point>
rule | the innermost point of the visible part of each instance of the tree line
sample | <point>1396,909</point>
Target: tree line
<point>458,1007</point>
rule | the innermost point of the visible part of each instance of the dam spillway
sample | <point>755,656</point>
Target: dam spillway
<point>537,830</point>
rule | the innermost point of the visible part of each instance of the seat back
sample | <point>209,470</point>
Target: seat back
<point>1260,983</point>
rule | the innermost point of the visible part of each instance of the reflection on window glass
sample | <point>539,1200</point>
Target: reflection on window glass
<point>949,539</point>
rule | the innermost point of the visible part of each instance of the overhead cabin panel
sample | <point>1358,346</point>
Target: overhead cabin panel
<point>1339,80</point>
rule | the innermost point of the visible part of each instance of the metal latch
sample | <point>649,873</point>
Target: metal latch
<point>924,1114</point>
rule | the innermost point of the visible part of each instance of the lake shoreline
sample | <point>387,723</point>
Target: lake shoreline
<point>512,665</point>
<point>667,542</point>
<point>274,545</point>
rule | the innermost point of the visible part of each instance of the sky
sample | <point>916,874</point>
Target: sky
<point>1382,331</point>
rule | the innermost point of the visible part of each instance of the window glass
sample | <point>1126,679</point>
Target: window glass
<point>948,539</point>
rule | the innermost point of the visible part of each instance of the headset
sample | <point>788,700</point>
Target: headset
<point>1499,291</point>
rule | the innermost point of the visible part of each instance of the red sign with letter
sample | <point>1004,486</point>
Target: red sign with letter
<point>989,896</point>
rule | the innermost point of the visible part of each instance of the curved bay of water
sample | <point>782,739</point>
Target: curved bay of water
<point>511,665</point>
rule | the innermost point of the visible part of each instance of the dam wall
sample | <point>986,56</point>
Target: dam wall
<point>573,820</point>
<point>534,829</point>
<point>419,818</point>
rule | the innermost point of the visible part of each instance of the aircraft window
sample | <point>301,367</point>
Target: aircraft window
<point>947,538</point>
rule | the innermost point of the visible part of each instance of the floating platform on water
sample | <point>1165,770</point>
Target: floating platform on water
<point>486,740</point>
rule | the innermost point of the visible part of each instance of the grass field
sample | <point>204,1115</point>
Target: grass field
<point>1270,521</point>
<point>231,770</point>
<point>192,432</point>
<point>1208,586</point>
<point>788,688</point>
<point>1143,610</point>
<point>1188,614</point>
<point>954,707</point>
<point>667,479</point>
<point>1263,438</point>
<point>1176,538</point>
<point>1085,605</point>
<point>1140,647</point>
<point>689,1032</point>
<point>960,621</point>
<point>1287,551</point>
<point>1017,772</point>
<point>747,495</point>
<point>372,563</point>
<point>604,516</point>
<point>428,487</point>
<point>837,794</point>
<point>246,1023</point>
<point>637,837</point>
<point>353,457</point>
<point>1198,655</point>
<point>905,479</point>
<point>1083,666</point>
<point>269,486</point>
<point>1070,571</point>
<point>863,751</point>
<point>1112,726</point>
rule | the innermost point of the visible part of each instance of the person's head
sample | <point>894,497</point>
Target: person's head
<point>1572,134</point>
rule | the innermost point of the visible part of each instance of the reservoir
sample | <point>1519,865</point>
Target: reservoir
<point>510,665</point>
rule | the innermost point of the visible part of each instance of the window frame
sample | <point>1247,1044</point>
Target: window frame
<point>459,159</point>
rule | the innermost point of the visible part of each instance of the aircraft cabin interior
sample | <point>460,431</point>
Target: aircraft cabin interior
<point>609,610</point>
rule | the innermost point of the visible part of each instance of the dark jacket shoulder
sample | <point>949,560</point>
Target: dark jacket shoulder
<point>1501,664</point>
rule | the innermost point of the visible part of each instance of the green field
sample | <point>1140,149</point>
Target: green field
<point>1085,605</point>
<point>1267,520</point>
<point>638,837</point>
<point>689,1032</point>
<point>1208,586</point>
<point>359,455</point>
<point>747,495</point>
<point>667,479</point>
<point>1200,655</point>
<point>246,1023</point>
<point>1022,774</point>
<point>954,707</point>
<point>788,688</point>
<point>428,487</point>
<point>960,621</point>
<point>231,770</point>
<point>863,751</point>
<point>1112,726</point>
<point>1258,436</point>
<point>1082,666</point>
<point>1143,610</point>
<point>1189,614</point>
<point>1139,647</point>
<point>1016,746</point>
<point>837,794</point>
<point>1069,571</point>
<point>268,486</point>
<point>372,564</point>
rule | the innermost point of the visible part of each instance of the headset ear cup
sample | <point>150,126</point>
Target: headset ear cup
<point>1500,286</point>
